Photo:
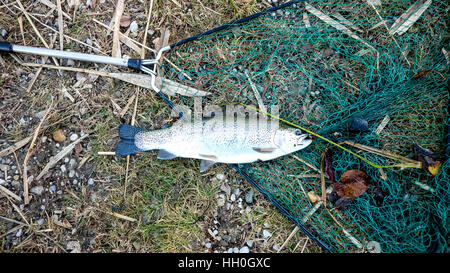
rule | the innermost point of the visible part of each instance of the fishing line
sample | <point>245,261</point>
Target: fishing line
<point>406,164</point>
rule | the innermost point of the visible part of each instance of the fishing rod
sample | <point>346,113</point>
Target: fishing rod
<point>147,66</point>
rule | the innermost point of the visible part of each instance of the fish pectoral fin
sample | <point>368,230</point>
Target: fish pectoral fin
<point>211,157</point>
<point>165,155</point>
<point>263,150</point>
<point>205,165</point>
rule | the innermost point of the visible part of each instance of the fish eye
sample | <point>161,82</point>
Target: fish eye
<point>297,132</point>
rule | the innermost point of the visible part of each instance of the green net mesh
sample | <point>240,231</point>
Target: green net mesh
<point>324,63</point>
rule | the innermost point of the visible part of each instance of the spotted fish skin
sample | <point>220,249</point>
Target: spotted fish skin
<point>238,140</point>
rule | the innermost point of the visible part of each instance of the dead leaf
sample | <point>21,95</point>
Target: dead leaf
<point>426,157</point>
<point>93,4</point>
<point>422,73</point>
<point>313,196</point>
<point>353,184</point>
<point>78,148</point>
<point>125,21</point>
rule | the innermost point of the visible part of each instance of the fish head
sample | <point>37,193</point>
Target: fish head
<point>291,140</point>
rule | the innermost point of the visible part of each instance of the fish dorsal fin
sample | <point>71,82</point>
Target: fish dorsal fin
<point>264,150</point>
<point>165,155</point>
<point>205,165</point>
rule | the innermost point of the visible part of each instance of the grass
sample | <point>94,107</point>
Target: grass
<point>174,208</point>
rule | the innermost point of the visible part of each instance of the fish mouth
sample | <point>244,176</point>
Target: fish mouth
<point>305,140</point>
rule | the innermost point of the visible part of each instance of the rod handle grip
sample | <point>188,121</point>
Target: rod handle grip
<point>6,47</point>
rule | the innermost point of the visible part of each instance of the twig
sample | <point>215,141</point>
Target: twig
<point>30,149</point>
<point>288,238</point>
<point>60,155</point>
<point>117,15</point>
<point>60,25</point>
<point>262,107</point>
<point>10,193</point>
<point>106,153</point>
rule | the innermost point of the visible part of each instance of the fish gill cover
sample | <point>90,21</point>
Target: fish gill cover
<point>326,64</point>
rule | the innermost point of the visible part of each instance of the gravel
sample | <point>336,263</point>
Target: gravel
<point>37,190</point>
<point>266,234</point>
<point>249,196</point>
<point>244,249</point>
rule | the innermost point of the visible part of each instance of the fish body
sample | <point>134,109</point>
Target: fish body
<point>215,140</point>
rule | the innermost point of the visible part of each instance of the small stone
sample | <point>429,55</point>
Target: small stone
<point>89,41</point>
<point>73,137</point>
<point>276,247</point>
<point>52,188</point>
<point>40,222</point>
<point>208,245</point>
<point>59,136</point>
<point>19,233</point>
<point>2,181</point>
<point>91,181</point>
<point>266,234</point>
<point>16,177</point>
<point>230,250</point>
<point>250,243</point>
<point>235,250</point>
<point>220,176</point>
<point>215,232</point>
<point>4,32</point>
<point>244,250</point>
<point>71,173</point>
<point>249,196</point>
<point>72,164</point>
<point>63,168</point>
<point>38,190</point>
<point>233,197</point>
<point>134,27</point>
<point>16,184</point>
<point>359,125</point>
<point>75,181</point>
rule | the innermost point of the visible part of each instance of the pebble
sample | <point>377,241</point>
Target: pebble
<point>250,243</point>
<point>244,250</point>
<point>71,173</point>
<point>249,196</point>
<point>19,233</point>
<point>215,232</point>
<point>276,247</point>
<point>266,234</point>
<point>15,184</point>
<point>2,181</point>
<point>91,181</point>
<point>220,176</point>
<point>134,27</point>
<point>208,245</point>
<point>16,177</point>
<point>89,41</point>
<point>75,181</point>
<point>230,250</point>
<point>72,164</point>
<point>233,197</point>
<point>63,168</point>
<point>4,32</point>
<point>52,188</point>
<point>73,137</point>
<point>236,250</point>
<point>37,190</point>
<point>40,222</point>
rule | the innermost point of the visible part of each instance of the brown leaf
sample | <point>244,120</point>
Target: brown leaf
<point>353,184</point>
<point>78,148</point>
<point>125,21</point>
<point>422,73</point>
<point>93,4</point>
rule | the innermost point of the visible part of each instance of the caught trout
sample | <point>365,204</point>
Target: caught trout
<point>214,141</point>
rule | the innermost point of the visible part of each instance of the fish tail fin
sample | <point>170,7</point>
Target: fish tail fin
<point>126,145</point>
